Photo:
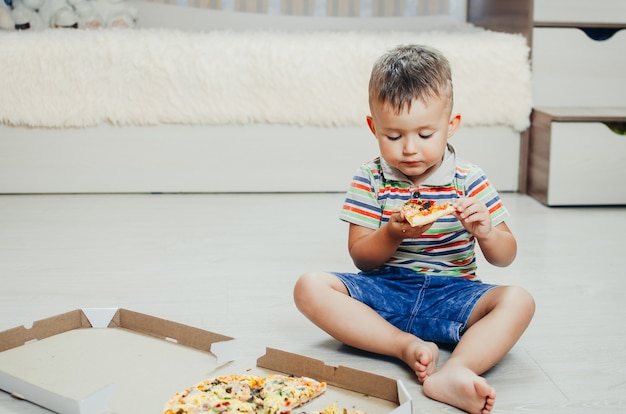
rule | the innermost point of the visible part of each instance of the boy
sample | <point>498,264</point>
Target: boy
<point>418,285</point>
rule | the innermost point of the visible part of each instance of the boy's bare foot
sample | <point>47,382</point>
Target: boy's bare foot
<point>422,357</point>
<point>460,387</point>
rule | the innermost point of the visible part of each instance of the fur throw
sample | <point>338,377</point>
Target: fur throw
<point>72,78</point>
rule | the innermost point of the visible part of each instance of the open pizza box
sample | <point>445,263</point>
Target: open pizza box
<point>107,360</point>
<point>117,361</point>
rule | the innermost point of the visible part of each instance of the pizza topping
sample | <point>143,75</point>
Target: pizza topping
<point>419,212</point>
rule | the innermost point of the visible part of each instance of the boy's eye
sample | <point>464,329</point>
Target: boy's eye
<point>424,136</point>
<point>394,138</point>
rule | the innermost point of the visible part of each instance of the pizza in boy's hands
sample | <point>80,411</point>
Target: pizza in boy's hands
<point>419,212</point>
<point>271,394</point>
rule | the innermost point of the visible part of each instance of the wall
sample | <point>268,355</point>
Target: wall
<point>362,8</point>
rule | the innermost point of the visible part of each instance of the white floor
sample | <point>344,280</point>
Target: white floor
<point>227,263</point>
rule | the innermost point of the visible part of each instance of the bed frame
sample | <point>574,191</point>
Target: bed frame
<point>234,158</point>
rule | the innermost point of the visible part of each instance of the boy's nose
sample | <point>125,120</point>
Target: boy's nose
<point>411,146</point>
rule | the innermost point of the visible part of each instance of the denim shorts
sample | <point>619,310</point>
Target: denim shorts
<point>433,308</point>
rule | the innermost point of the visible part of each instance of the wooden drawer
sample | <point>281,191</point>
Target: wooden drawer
<point>571,69</point>
<point>567,11</point>
<point>574,158</point>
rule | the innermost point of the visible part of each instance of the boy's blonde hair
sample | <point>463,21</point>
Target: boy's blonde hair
<point>410,72</point>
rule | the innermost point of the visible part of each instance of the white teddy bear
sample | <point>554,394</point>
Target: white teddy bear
<point>88,17</point>
<point>116,13</point>
<point>84,14</point>
<point>58,13</point>
<point>26,15</point>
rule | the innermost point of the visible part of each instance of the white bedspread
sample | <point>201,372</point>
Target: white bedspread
<point>69,78</point>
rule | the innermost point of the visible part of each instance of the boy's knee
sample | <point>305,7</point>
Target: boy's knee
<point>303,288</point>
<point>523,300</point>
<point>514,299</point>
<point>312,289</point>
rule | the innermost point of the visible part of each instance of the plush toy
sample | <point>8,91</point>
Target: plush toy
<point>64,18</point>
<point>116,13</point>
<point>26,14</point>
<point>84,14</point>
<point>58,13</point>
<point>88,17</point>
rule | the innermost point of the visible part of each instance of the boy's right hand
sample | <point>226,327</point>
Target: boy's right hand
<point>400,229</point>
<point>371,248</point>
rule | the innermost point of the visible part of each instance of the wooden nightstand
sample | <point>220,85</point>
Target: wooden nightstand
<point>579,87</point>
<point>576,157</point>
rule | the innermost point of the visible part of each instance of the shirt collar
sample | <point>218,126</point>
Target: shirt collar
<point>442,176</point>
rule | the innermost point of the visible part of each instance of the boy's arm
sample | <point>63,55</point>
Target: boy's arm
<point>499,247</point>
<point>370,248</point>
<point>497,243</point>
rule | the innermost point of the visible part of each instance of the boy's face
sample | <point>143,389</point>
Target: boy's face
<point>414,141</point>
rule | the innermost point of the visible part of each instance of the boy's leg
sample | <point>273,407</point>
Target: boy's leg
<point>324,299</point>
<point>496,323</point>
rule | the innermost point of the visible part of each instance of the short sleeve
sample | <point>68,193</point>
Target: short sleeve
<point>361,204</point>
<point>478,185</point>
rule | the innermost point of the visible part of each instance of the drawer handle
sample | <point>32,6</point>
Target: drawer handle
<point>600,33</point>
<point>618,127</point>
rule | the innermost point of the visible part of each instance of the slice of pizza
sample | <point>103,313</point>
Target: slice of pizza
<point>419,212</point>
<point>232,393</point>
<point>282,393</point>
<point>272,394</point>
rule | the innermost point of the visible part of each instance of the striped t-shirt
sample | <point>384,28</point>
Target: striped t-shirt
<point>378,190</point>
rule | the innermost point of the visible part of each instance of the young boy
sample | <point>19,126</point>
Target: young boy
<point>418,285</point>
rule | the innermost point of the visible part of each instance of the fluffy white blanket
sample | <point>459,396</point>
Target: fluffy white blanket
<point>71,78</point>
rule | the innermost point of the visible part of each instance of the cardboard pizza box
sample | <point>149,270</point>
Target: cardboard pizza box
<point>116,361</point>
<point>347,387</point>
<point>107,360</point>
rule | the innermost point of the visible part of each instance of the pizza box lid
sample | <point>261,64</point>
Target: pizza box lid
<point>94,360</point>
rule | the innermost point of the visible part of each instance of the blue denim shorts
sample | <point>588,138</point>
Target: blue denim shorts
<point>433,308</point>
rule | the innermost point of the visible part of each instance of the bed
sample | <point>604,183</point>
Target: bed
<point>198,100</point>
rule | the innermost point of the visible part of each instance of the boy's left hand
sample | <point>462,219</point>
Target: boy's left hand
<point>474,216</point>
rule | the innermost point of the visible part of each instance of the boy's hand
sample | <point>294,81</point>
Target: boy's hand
<point>474,216</point>
<point>370,248</point>
<point>401,229</point>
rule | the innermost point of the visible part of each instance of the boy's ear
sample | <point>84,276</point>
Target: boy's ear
<point>370,123</point>
<point>455,121</point>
